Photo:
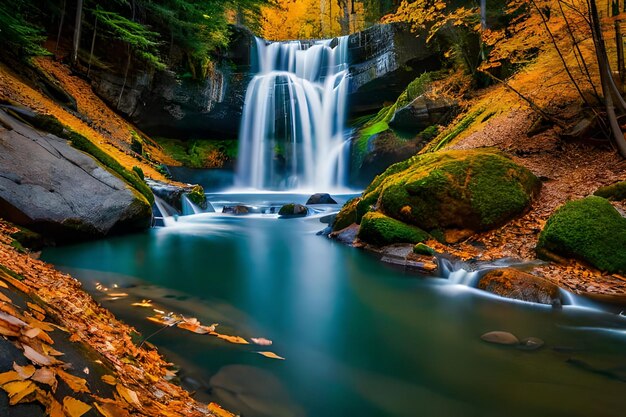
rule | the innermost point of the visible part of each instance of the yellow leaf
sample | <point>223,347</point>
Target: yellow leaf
<point>111,410</point>
<point>5,331</point>
<point>19,390</point>
<point>231,339</point>
<point>143,303</point>
<point>75,383</point>
<point>5,298</point>
<point>193,325</point>
<point>24,372</point>
<point>8,377</point>
<point>56,409</point>
<point>271,355</point>
<point>3,284</point>
<point>46,376</point>
<point>38,358</point>
<point>109,379</point>
<point>74,407</point>
<point>49,350</point>
<point>36,308</point>
<point>118,294</point>
<point>128,395</point>
<point>218,411</point>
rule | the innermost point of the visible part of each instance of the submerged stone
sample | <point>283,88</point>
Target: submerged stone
<point>590,230</point>
<point>518,285</point>
<point>237,210</point>
<point>500,338</point>
<point>531,343</point>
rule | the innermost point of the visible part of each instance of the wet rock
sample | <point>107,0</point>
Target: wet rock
<point>518,285</point>
<point>173,195</point>
<point>531,343</point>
<point>293,210</point>
<point>237,210</point>
<point>320,198</point>
<point>423,112</point>
<point>500,338</point>
<point>346,235</point>
<point>60,192</point>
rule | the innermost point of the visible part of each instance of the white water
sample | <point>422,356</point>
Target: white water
<point>292,131</point>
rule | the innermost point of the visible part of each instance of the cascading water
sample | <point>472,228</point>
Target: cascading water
<point>292,133</point>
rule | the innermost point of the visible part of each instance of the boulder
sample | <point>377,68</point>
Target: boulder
<point>590,230</point>
<point>320,198</point>
<point>237,210</point>
<point>347,215</point>
<point>380,230</point>
<point>518,285</point>
<point>60,192</point>
<point>459,189</point>
<point>173,195</point>
<point>293,210</point>
<point>613,192</point>
<point>423,112</point>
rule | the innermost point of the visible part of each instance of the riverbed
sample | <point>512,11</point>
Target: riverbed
<point>358,337</point>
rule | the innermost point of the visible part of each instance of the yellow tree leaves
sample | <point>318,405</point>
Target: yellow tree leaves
<point>74,407</point>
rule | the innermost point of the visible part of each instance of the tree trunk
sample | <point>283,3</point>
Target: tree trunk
<point>77,26</point>
<point>60,27</point>
<point>606,78</point>
<point>119,99</point>
<point>93,44</point>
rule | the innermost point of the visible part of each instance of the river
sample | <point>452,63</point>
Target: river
<point>358,338</point>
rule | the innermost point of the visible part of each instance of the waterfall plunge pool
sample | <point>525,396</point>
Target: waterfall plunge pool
<point>359,338</point>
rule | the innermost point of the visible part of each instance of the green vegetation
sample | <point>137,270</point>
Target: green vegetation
<point>615,192</point>
<point>139,172</point>
<point>378,229</point>
<point>197,196</point>
<point>11,273</point>
<point>422,249</point>
<point>21,37</point>
<point>470,189</point>
<point>136,143</point>
<point>347,215</point>
<point>457,129</point>
<point>201,153</point>
<point>591,230</point>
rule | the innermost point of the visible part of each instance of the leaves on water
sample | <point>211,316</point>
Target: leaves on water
<point>24,372</point>
<point>143,303</point>
<point>74,407</point>
<point>193,325</point>
<point>19,390</point>
<point>46,376</point>
<point>8,377</point>
<point>109,379</point>
<point>38,358</point>
<point>271,355</point>
<point>232,339</point>
<point>261,341</point>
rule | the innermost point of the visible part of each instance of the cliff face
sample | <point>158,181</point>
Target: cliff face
<point>383,60</point>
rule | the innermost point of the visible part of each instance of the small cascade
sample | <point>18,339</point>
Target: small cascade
<point>458,273</point>
<point>293,125</point>
<point>166,214</point>
<point>189,207</point>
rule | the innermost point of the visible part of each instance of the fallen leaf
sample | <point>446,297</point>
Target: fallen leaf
<point>118,294</point>
<point>77,384</point>
<point>55,409</point>
<point>14,321</point>
<point>24,372</point>
<point>3,284</point>
<point>8,377</point>
<point>232,339</point>
<point>5,331</point>
<point>75,338</point>
<point>109,379</point>
<point>74,407</point>
<point>46,327</point>
<point>19,390</point>
<point>111,410</point>
<point>37,358</point>
<point>193,325</point>
<point>36,307</point>
<point>261,341</point>
<point>219,411</point>
<point>143,303</point>
<point>271,355</point>
<point>46,376</point>
<point>31,333</point>
<point>128,395</point>
<point>49,350</point>
<point>5,298</point>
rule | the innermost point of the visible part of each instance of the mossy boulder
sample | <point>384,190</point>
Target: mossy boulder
<point>590,230</point>
<point>347,215</point>
<point>380,230</point>
<point>615,192</point>
<point>293,210</point>
<point>422,249</point>
<point>460,189</point>
<point>197,196</point>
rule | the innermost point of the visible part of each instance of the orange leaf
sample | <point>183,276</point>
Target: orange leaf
<point>74,407</point>
<point>75,383</point>
<point>46,376</point>
<point>19,390</point>
<point>231,339</point>
<point>5,298</point>
<point>219,411</point>
<point>24,372</point>
<point>36,308</point>
<point>271,355</point>
<point>111,410</point>
<point>128,395</point>
<point>8,377</point>
<point>109,379</point>
<point>56,409</point>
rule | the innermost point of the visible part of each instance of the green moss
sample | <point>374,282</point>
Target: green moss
<point>137,170</point>
<point>347,215</point>
<point>473,189</point>
<point>422,249</point>
<point>11,273</point>
<point>378,229</point>
<point>201,153</point>
<point>197,196</point>
<point>591,230</point>
<point>26,238</point>
<point>615,192</point>
<point>457,130</point>
<point>429,133</point>
<point>136,143</point>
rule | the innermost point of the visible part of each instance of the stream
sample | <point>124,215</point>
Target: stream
<point>358,337</point>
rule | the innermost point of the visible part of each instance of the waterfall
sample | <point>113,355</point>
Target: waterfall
<point>292,130</point>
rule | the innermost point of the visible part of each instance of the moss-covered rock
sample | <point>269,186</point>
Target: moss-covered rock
<point>293,210</point>
<point>347,215</point>
<point>197,196</point>
<point>591,230</point>
<point>615,192</point>
<point>422,249</point>
<point>460,189</point>
<point>378,229</point>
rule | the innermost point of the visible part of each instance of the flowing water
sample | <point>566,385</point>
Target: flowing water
<point>359,339</point>
<point>293,127</point>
